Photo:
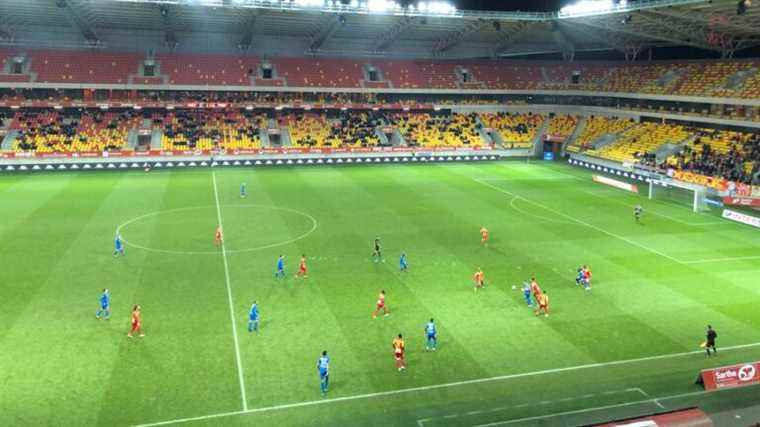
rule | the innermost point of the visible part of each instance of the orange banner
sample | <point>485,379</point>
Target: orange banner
<point>719,184</point>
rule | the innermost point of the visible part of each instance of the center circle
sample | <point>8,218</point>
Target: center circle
<point>189,230</point>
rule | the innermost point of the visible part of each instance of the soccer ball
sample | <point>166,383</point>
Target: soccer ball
<point>514,287</point>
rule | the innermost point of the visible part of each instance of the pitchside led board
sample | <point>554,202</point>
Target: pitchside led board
<point>731,376</point>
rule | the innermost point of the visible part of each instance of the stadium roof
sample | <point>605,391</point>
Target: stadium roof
<point>378,28</point>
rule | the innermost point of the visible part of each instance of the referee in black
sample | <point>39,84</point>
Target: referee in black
<point>711,336</point>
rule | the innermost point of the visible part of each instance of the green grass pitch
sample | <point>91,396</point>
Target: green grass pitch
<point>632,339</point>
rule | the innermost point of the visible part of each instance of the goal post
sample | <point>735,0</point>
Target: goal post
<point>682,193</point>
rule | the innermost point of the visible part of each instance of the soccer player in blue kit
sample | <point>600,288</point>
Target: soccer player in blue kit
<point>280,273</point>
<point>432,336</point>
<point>323,364</point>
<point>579,277</point>
<point>253,318</point>
<point>402,263</point>
<point>118,246</point>
<point>105,305</point>
<point>526,293</point>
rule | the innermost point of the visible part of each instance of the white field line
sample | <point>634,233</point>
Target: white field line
<point>738,258</point>
<point>649,211</point>
<point>676,260</point>
<point>443,386</point>
<point>552,171</point>
<point>601,230</point>
<point>699,261</point>
<point>532,215</point>
<point>599,408</point>
<point>314,225</point>
<point>645,394</point>
<point>229,299</point>
<point>421,422</point>
<point>564,177</point>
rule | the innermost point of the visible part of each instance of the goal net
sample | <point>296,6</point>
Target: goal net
<point>681,193</point>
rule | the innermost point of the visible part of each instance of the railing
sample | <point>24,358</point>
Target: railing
<point>357,9</point>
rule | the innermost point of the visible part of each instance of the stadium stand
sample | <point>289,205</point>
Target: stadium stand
<point>307,130</point>
<point>562,125</point>
<point>641,139</point>
<point>6,73</point>
<point>401,74</point>
<point>202,130</point>
<point>516,130</point>
<point>597,126</point>
<point>222,70</point>
<point>632,78</point>
<point>51,132</point>
<point>427,130</point>
<point>354,129</point>
<point>497,75</point>
<point>723,78</point>
<point>320,72</point>
<point>439,75</point>
<point>52,66</point>
<point>734,156</point>
<point>559,76</point>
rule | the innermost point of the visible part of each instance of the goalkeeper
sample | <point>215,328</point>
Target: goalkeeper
<point>637,211</point>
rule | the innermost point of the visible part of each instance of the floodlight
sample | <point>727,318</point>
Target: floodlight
<point>437,7</point>
<point>381,5</point>
<point>585,7</point>
<point>310,3</point>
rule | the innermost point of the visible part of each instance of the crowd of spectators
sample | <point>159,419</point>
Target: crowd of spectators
<point>205,130</point>
<point>731,155</point>
<point>739,163</point>
<point>516,130</point>
<point>438,130</point>
<point>77,130</point>
<point>355,128</point>
<point>409,100</point>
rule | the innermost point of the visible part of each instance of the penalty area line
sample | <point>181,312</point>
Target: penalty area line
<point>662,215</point>
<point>581,222</point>
<point>738,258</point>
<point>443,386</point>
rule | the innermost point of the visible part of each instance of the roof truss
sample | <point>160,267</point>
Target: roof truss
<point>325,30</point>
<point>454,38</point>
<point>79,18</point>
<point>386,39</point>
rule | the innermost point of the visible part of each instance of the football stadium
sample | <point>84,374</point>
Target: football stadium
<point>420,213</point>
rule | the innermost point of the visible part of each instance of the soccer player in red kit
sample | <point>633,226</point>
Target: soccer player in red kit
<point>381,305</point>
<point>534,288</point>
<point>136,322</point>
<point>218,236</point>
<point>543,305</point>
<point>398,353</point>
<point>483,236</point>
<point>302,268</point>
<point>479,279</point>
